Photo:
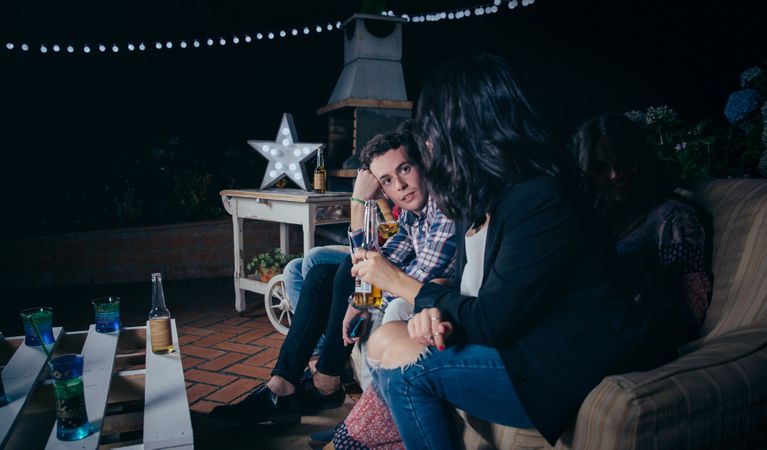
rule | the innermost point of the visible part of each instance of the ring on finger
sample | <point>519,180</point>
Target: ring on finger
<point>434,319</point>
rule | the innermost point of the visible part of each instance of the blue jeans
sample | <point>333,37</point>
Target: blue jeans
<point>422,395</point>
<point>295,271</point>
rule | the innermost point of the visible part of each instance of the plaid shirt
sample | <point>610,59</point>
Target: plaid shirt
<point>424,247</point>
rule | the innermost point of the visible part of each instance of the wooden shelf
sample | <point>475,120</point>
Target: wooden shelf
<point>366,103</point>
<point>342,173</point>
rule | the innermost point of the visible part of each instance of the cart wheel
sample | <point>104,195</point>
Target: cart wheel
<point>277,305</point>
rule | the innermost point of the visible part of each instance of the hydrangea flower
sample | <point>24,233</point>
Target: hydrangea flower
<point>740,104</point>
<point>635,116</point>
<point>751,76</point>
<point>659,114</point>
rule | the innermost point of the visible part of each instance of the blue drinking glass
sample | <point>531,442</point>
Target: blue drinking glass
<point>71,417</point>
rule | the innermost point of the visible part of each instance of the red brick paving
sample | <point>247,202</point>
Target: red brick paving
<point>226,356</point>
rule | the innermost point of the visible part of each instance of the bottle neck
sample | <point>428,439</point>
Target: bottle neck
<point>158,297</point>
<point>320,160</point>
<point>370,227</point>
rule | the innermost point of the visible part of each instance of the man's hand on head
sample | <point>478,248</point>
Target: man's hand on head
<point>366,186</point>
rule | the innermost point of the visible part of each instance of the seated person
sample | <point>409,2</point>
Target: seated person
<point>424,248</point>
<point>536,316</point>
<point>659,236</point>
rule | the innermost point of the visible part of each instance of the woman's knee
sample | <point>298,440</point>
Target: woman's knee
<point>390,346</point>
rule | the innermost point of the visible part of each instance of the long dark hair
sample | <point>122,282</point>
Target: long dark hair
<point>627,141</point>
<point>477,132</point>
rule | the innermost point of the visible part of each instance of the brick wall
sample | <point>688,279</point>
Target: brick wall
<point>180,251</point>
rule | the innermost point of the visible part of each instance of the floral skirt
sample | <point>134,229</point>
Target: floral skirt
<point>369,425</point>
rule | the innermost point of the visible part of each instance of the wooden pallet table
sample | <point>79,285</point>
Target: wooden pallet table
<point>134,398</point>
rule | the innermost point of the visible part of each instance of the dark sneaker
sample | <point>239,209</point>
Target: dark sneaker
<point>261,406</point>
<point>321,438</point>
<point>312,400</point>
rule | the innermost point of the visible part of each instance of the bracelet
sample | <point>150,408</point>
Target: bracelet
<point>355,199</point>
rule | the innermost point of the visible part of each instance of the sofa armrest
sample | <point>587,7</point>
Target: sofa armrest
<point>713,397</point>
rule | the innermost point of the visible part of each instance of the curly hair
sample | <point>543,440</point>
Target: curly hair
<point>383,142</point>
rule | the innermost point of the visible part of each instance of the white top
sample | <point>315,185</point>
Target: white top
<point>471,279</point>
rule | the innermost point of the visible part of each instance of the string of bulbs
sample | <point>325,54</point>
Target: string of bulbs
<point>221,41</point>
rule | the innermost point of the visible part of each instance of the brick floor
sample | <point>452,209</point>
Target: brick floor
<point>226,356</point>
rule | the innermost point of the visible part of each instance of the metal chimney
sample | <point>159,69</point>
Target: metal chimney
<point>369,96</point>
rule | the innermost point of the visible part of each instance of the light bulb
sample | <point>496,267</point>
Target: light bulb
<point>265,148</point>
<point>43,49</point>
<point>248,38</point>
<point>157,45</point>
<point>306,150</point>
<point>330,27</point>
<point>294,32</point>
<point>285,131</point>
<point>196,43</point>
<point>9,46</point>
<point>142,47</point>
<point>292,167</point>
<point>282,33</point>
<point>115,48</point>
<point>278,166</point>
<point>182,44</point>
<point>297,152</point>
<point>209,42</point>
<point>272,173</point>
<point>306,30</point>
<point>169,44</point>
<point>297,175</point>
<point>131,47</point>
<point>271,35</point>
<point>102,48</point>
<point>24,47</point>
<point>259,36</point>
<point>318,29</point>
<point>235,40</point>
<point>56,48</point>
<point>286,142</point>
<point>222,41</point>
<point>70,49</point>
<point>86,49</point>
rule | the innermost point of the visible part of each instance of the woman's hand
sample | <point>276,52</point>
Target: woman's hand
<point>351,314</point>
<point>427,328</point>
<point>366,186</point>
<point>372,267</point>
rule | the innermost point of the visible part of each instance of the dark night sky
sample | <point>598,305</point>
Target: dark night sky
<point>66,116</point>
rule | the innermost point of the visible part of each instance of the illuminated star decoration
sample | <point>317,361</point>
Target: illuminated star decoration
<point>286,156</point>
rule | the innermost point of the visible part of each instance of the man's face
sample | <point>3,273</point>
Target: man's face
<point>400,179</point>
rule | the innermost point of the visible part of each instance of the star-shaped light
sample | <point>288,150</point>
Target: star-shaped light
<point>286,156</point>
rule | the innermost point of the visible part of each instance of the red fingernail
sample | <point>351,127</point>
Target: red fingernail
<point>441,347</point>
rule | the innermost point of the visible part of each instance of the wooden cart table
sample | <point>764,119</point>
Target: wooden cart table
<point>127,389</point>
<point>286,206</point>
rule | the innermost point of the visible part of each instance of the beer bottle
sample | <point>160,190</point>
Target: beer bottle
<point>366,294</point>
<point>159,319</point>
<point>320,174</point>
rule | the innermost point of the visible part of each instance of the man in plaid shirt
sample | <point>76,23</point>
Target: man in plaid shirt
<point>424,248</point>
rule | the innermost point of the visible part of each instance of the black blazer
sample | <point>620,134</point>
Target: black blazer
<point>548,302</point>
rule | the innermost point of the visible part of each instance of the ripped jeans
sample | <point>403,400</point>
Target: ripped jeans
<point>422,395</point>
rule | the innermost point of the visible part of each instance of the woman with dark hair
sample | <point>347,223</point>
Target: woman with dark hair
<point>534,318</point>
<point>660,237</point>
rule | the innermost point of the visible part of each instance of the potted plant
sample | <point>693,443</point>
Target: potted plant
<point>268,264</point>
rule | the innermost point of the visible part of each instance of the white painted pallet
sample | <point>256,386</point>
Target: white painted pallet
<point>20,376</point>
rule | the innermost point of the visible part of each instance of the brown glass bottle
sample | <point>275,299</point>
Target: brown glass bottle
<point>320,183</point>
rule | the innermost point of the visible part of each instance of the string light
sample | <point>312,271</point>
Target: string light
<point>454,14</point>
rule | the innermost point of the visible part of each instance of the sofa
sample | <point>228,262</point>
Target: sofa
<point>714,395</point>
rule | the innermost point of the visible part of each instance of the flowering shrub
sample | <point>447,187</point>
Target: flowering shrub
<point>740,104</point>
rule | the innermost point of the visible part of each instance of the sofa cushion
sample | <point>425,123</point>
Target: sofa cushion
<point>738,209</point>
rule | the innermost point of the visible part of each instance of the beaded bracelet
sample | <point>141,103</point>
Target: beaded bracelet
<point>355,199</point>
